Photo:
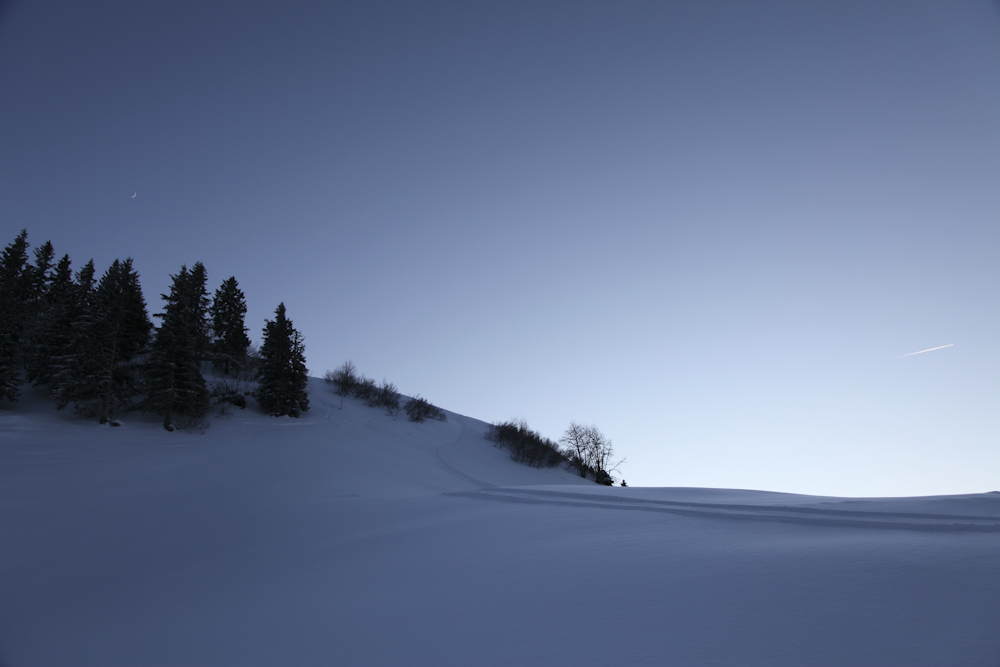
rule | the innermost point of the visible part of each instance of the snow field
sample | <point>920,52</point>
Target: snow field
<point>351,538</point>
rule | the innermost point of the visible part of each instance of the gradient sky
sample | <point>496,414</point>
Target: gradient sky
<point>710,228</point>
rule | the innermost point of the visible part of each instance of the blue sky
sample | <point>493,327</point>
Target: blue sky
<point>710,228</point>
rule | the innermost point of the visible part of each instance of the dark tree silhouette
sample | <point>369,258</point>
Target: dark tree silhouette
<point>112,331</point>
<point>281,388</point>
<point>15,288</point>
<point>71,355</point>
<point>175,385</point>
<point>590,453</point>
<point>52,328</point>
<point>230,341</point>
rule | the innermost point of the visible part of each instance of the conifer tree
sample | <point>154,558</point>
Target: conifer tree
<point>15,282</point>
<point>69,360</point>
<point>175,385</point>
<point>228,310</point>
<point>123,327</point>
<point>281,389</point>
<point>37,300</point>
<point>197,310</point>
<point>53,326</point>
<point>85,277</point>
<point>112,331</point>
<point>39,275</point>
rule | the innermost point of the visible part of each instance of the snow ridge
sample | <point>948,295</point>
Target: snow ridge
<point>810,516</point>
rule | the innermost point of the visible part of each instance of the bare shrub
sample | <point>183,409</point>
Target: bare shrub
<point>345,378</point>
<point>229,392</point>
<point>419,409</point>
<point>524,444</point>
<point>347,381</point>
<point>249,370</point>
<point>191,423</point>
<point>367,391</point>
<point>388,397</point>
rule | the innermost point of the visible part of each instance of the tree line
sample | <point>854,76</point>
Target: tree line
<point>91,343</point>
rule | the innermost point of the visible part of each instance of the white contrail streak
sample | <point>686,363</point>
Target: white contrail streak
<point>922,351</point>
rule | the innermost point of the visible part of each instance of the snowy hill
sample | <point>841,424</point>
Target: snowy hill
<point>348,537</point>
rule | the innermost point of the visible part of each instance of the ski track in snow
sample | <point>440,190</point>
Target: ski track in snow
<point>809,516</point>
<point>452,469</point>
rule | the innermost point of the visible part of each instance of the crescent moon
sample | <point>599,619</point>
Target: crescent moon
<point>133,196</point>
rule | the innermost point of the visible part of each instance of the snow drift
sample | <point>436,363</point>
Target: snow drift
<point>348,537</point>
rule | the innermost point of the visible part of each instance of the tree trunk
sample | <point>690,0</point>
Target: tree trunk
<point>104,407</point>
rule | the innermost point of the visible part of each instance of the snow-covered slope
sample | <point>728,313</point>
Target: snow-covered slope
<point>351,538</point>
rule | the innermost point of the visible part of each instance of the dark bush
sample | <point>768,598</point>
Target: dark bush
<point>366,389</point>
<point>418,410</point>
<point>345,378</point>
<point>190,423</point>
<point>604,478</point>
<point>249,369</point>
<point>387,397</point>
<point>524,445</point>
<point>228,392</point>
<point>349,382</point>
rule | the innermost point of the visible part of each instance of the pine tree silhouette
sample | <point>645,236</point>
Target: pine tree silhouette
<point>174,382</point>
<point>112,330</point>
<point>281,389</point>
<point>52,328</point>
<point>15,282</point>
<point>228,310</point>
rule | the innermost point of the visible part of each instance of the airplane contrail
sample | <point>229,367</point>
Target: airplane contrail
<point>922,351</point>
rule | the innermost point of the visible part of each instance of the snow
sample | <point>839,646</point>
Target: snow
<point>348,537</point>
